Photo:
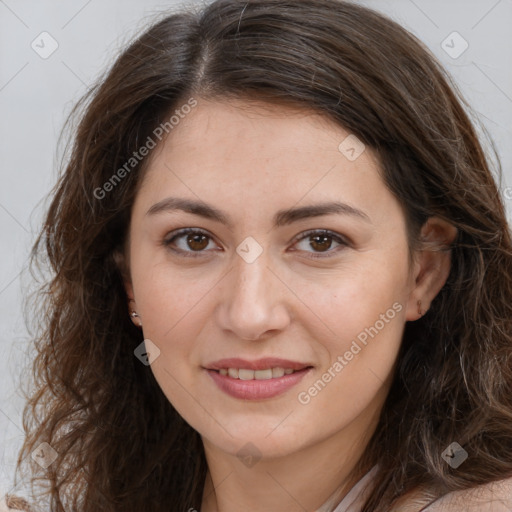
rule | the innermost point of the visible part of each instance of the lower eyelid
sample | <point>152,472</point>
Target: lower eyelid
<point>330,253</point>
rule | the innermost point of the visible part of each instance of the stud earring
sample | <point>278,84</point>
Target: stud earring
<point>420,312</point>
<point>134,314</point>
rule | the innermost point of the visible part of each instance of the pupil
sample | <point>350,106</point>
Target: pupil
<point>193,239</point>
<point>323,238</point>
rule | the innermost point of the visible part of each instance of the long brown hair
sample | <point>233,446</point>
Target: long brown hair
<point>121,445</point>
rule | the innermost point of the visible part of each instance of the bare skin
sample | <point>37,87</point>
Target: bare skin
<point>250,161</point>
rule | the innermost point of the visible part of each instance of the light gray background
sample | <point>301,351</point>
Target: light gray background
<point>36,94</point>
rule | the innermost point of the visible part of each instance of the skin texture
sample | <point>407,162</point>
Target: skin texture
<point>251,160</point>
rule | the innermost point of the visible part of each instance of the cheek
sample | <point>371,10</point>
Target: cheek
<point>359,296</point>
<point>170,321</point>
<point>168,296</point>
<point>357,369</point>
<point>364,310</point>
<point>172,309</point>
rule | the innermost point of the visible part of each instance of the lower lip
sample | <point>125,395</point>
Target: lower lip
<point>257,389</point>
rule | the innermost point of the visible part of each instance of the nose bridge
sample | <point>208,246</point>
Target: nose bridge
<point>253,303</point>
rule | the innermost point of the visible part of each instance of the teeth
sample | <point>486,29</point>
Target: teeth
<point>246,374</point>
<point>263,374</point>
<point>277,372</point>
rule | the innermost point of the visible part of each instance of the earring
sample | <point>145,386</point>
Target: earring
<point>134,314</point>
<point>420,312</point>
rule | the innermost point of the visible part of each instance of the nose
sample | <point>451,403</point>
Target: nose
<point>253,301</point>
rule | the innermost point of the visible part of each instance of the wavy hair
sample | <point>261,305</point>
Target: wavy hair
<point>121,445</point>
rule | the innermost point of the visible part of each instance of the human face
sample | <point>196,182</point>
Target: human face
<point>203,299</point>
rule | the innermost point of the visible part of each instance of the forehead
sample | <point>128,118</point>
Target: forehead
<point>254,156</point>
<point>265,138</point>
<point>248,123</point>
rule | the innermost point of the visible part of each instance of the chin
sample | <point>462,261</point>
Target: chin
<point>259,443</point>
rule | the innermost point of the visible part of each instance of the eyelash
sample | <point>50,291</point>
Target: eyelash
<point>195,254</point>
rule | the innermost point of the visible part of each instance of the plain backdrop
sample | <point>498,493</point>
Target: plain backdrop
<point>38,90</point>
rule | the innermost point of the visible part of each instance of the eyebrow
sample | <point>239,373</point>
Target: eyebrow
<point>281,218</point>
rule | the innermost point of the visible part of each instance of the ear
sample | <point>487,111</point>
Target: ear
<point>432,264</point>
<point>122,265</point>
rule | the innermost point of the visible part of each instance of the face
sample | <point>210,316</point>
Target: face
<point>266,280</point>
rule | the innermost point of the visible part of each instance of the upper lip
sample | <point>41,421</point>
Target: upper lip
<point>258,364</point>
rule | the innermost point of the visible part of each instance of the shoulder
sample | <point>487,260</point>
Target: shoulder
<point>492,497</point>
<point>9,503</point>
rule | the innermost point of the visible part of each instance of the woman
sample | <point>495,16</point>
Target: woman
<point>282,278</point>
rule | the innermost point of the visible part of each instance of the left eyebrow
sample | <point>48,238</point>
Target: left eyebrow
<point>281,218</point>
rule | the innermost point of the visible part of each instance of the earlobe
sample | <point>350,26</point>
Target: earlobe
<point>432,265</point>
<point>420,311</point>
<point>134,315</point>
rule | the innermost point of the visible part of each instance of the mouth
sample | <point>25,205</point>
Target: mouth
<point>256,380</point>
<point>248,374</point>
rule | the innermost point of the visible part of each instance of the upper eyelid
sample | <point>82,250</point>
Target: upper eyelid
<point>328,232</point>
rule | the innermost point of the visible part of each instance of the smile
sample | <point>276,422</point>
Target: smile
<point>247,374</point>
<point>247,384</point>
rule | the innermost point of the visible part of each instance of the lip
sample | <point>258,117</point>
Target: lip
<point>258,364</point>
<point>257,389</point>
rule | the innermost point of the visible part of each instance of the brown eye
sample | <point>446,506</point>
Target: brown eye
<point>188,241</point>
<point>197,242</point>
<point>321,241</point>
